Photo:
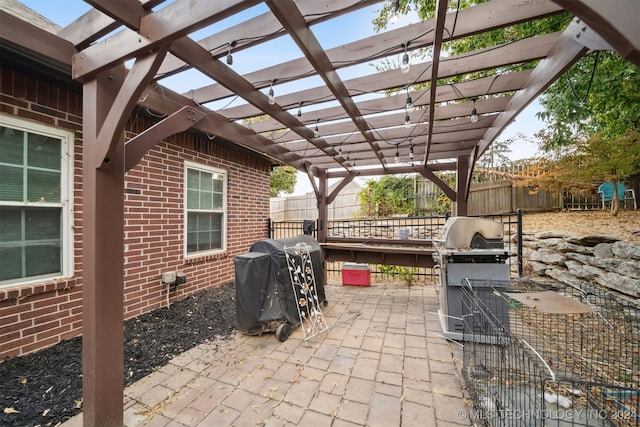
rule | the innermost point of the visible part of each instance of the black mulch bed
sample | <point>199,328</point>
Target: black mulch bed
<point>46,387</point>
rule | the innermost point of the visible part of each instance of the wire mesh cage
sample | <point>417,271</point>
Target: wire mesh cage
<point>551,354</point>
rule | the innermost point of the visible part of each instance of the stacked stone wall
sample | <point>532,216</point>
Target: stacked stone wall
<point>596,258</point>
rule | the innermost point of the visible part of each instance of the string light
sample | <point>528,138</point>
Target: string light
<point>409,103</point>
<point>395,5</point>
<point>396,158</point>
<point>272,96</point>
<point>406,63</point>
<point>229,56</point>
<point>411,150</point>
<point>316,132</point>
<point>474,113</point>
<point>300,109</point>
<point>407,121</point>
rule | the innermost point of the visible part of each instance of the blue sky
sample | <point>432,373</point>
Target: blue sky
<point>330,34</point>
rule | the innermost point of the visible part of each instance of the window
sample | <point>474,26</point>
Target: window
<point>35,202</point>
<point>205,209</point>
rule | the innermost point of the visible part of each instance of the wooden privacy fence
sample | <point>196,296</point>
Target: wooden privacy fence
<point>345,205</point>
<point>487,198</point>
<point>498,197</point>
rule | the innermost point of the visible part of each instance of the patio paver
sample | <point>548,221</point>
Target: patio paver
<point>382,363</point>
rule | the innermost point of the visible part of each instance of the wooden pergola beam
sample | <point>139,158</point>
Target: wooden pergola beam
<point>292,20</point>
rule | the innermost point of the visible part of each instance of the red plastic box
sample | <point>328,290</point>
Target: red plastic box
<point>354,274</point>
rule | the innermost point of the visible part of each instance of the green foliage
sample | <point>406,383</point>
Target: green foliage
<point>406,274</point>
<point>498,153</point>
<point>426,9</point>
<point>282,180</point>
<point>389,195</point>
<point>444,202</point>
<point>600,94</point>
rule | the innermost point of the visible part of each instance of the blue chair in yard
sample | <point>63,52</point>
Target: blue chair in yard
<point>605,190</point>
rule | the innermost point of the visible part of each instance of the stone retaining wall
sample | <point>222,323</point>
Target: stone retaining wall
<point>598,258</point>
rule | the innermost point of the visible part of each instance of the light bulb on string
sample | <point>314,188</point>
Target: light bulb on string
<point>407,121</point>
<point>411,151</point>
<point>316,132</point>
<point>300,109</point>
<point>396,158</point>
<point>272,96</point>
<point>395,5</point>
<point>232,44</point>
<point>408,105</point>
<point>474,113</point>
<point>405,66</point>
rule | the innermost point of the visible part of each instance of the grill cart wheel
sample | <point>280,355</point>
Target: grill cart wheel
<point>283,332</point>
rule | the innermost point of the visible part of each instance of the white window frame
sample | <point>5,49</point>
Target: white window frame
<point>208,169</point>
<point>66,197</point>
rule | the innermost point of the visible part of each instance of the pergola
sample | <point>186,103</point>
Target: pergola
<point>121,51</point>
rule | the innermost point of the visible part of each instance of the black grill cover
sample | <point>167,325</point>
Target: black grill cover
<point>264,296</point>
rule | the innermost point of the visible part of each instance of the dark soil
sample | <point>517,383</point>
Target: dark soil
<point>46,387</point>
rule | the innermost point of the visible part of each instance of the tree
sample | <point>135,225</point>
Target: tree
<point>498,153</point>
<point>587,163</point>
<point>600,94</point>
<point>282,180</point>
<point>389,195</point>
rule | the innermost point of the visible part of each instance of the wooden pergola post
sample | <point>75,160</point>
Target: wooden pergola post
<point>109,97</point>
<point>103,259</point>
<point>462,190</point>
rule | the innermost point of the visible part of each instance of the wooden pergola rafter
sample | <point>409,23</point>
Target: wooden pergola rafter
<point>360,131</point>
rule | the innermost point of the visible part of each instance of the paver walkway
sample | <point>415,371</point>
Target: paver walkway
<point>382,363</point>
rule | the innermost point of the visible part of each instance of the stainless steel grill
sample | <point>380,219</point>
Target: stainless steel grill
<point>471,252</point>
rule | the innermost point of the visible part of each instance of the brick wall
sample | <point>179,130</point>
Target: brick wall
<point>39,315</point>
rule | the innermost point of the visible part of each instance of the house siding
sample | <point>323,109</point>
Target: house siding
<point>38,315</point>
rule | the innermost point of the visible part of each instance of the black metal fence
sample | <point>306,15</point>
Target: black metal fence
<point>422,227</point>
<point>551,354</point>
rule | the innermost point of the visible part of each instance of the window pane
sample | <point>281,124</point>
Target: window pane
<point>42,224</point>
<point>10,262</point>
<point>206,201</point>
<point>10,224</point>
<point>192,222</point>
<point>206,183</point>
<point>218,183</point>
<point>204,241</point>
<point>11,184</point>
<point>216,239</point>
<point>43,259</point>
<point>192,242</point>
<point>193,199</point>
<point>216,220</point>
<point>217,201</point>
<point>204,221</point>
<point>44,152</point>
<point>43,186</point>
<point>11,146</point>
<point>193,179</point>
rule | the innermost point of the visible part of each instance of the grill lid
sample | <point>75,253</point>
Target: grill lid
<point>461,232</point>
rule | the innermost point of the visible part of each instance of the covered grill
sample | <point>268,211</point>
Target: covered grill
<point>470,253</point>
<point>265,298</point>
